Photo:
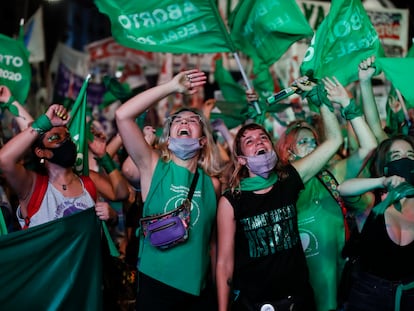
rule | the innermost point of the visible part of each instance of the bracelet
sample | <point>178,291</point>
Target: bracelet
<point>42,124</point>
<point>107,163</point>
<point>10,107</point>
<point>351,111</point>
<point>318,97</point>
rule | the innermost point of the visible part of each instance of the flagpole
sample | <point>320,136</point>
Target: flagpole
<point>404,107</point>
<point>246,80</point>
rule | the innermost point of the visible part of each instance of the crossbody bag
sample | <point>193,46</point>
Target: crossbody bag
<point>172,228</point>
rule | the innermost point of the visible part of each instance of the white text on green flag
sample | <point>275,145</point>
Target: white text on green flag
<point>344,38</point>
<point>193,26</point>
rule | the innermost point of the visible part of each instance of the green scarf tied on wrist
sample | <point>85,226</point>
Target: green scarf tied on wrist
<point>317,97</point>
<point>10,107</point>
<point>258,183</point>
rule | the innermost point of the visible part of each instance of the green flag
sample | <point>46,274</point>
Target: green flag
<point>78,129</point>
<point>410,52</point>
<point>115,91</point>
<point>344,38</point>
<point>234,108</point>
<point>231,90</point>
<point>3,227</point>
<point>54,266</point>
<point>167,26</point>
<point>15,70</point>
<point>399,72</point>
<point>265,29</point>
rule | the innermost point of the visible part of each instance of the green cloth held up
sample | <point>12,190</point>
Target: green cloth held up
<point>54,266</point>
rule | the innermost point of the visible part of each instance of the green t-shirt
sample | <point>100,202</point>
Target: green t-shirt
<point>184,266</point>
<point>322,232</point>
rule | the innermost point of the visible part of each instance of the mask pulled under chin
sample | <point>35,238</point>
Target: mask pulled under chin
<point>184,148</point>
<point>262,164</point>
<point>402,167</point>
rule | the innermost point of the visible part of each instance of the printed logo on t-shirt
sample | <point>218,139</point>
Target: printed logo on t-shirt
<point>310,243</point>
<point>271,232</point>
<point>176,200</point>
<point>68,208</point>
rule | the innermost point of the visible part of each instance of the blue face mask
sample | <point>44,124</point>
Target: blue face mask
<point>262,164</point>
<point>184,148</point>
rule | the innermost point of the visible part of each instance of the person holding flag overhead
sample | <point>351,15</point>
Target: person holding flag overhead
<point>64,192</point>
<point>323,218</point>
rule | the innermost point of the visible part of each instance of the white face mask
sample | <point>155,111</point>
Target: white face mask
<point>262,164</point>
<point>184,148</point>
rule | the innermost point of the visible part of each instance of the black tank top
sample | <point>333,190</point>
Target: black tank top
<point>380,256</point>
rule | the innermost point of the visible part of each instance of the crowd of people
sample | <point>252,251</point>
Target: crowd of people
<point>251,222</point>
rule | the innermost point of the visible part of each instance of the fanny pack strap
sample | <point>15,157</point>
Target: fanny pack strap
<point>193,185</point>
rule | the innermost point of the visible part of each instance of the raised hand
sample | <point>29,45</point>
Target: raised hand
<point>336,92</point>
<point>366,69</point>
<point>188,81</point>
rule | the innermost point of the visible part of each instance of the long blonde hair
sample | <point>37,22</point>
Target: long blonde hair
<point>209,158</point>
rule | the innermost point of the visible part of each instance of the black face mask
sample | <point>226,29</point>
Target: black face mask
<point>65,154</point>
<point>402,167</point>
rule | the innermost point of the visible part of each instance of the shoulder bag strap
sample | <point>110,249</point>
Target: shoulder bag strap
<point>193,185</point>
<point>331,184</point>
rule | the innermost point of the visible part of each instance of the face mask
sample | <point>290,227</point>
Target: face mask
<point>403,167</point>
<point>184,148</point>
<point>65,154</point>
<point>262,164</point>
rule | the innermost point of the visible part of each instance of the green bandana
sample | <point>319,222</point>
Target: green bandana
<point>258,183</point>
<point>10,107</point>
<point>403,190</point>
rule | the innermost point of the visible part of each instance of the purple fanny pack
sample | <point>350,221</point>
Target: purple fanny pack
<point>167,230</point>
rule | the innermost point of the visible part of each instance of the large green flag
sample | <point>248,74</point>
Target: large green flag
<point>344,38</point>
<point>54,266</point>
<point>265,29</point>
<point>78,129</point>
<point>399,72</point>
<point>15,70</point>
<point>193,26</point>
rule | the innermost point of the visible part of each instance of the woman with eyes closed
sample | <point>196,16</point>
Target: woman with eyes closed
<point>384,280</point>
<point>66,192</point>
<point>261,264</point>
<point>174,279</point>
<point>320,217</point>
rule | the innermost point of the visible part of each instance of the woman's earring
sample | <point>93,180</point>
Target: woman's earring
<point>42,161</point>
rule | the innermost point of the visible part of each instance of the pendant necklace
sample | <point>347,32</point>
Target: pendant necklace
<point>65,186</point>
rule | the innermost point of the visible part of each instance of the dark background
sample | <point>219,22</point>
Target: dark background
<point>77,22</point>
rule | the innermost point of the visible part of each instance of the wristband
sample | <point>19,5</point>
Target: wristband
<point>318,97</point>
<point>10,107</point>
<point>107,163</point>
<point>351,111</point>
<point>42,124</point>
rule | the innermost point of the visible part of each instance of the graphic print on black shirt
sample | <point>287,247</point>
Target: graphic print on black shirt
<point>270,232</point>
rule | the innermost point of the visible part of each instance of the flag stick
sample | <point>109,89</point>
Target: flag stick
<point>246,81</point>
